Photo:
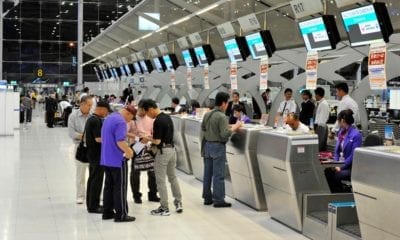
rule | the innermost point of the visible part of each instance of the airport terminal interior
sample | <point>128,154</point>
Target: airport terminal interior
<point>264,119</point>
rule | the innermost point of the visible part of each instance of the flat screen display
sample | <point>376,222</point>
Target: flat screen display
<point>137,67</point>
<point>98,75</point>
<point>127,70</point>
<point>315,35</point>
<point>201,55</point>
<point>362,25</point>
<point>115,74</point>
<point>256,45</point>
<point>158,65</point>
<point>123,73</point>
<point>233,50</point>
<point>144,66</point>
<point>168,62</point>
<point>188,58</point>
<point>105,74</point>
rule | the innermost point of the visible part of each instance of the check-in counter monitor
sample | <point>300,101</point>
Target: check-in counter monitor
<point>243,166</point>
<point>193,141</point>
<point>183,162</point>
<point>289,168</point>
<point>376,186</point>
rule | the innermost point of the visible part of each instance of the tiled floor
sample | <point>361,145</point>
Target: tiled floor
<point>37,200</point>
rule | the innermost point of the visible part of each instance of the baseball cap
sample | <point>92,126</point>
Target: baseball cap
<point>131,109</point>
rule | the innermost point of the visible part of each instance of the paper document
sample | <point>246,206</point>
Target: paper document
<point>138,147</point>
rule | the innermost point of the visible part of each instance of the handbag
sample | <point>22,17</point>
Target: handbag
<point>81,151</point>
<point>144,161</point>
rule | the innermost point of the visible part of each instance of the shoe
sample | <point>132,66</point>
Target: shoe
<point>125,219</point>
<point>154,198</point>
<point>96,210</point>
<point>160,211</point>
<point>107,216</point>
<point>208,202</point>
<point>138,200</point>
<point>79,200</point>
<point>222,205</point>
<point>178,206</point>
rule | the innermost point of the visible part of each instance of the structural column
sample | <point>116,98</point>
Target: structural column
<point>80,42</point>
<point>1,39</point>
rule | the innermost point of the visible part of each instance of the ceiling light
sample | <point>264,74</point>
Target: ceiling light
<point>207,9</point>
<point>162,28</point>
<point>63,3</point>
<point>71,4</point>
<point>134,41</point>
<point>147,35</point>
<point>181,20</point>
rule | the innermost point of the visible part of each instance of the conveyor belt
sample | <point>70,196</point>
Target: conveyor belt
<point>320,215</point>
<point>351,228</point>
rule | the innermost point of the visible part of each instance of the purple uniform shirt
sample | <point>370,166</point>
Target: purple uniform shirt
<point>114,130</point>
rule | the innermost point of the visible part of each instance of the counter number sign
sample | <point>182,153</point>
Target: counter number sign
<point>40,73</point>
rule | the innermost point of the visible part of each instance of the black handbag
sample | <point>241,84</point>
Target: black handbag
<point>144,161</point>
<point>81,151</point>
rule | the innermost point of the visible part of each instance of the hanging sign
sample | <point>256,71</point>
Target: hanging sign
<point>189,78</point>
<point>173,79</point>
<point>264,73</point>
<point>233,76</point>
<point>343,3</point>
<point>377,66</point>
<point>183,43</point>
<point>304,8</point>
<point>226,30</point>
<point>249,22</point>
<point>311,70</point>
<point>206,78</point>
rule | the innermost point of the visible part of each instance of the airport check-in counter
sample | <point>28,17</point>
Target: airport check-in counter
<point>241,153</point>
<point>376,186</point>
<point>183,162</point>
<point>193,141</point>
<point>289,168</point>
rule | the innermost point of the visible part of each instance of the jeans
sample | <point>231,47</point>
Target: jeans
<point>214,172</point>
<point>164,166</point>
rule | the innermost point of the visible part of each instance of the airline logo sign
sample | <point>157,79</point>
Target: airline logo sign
<point>311,70</point>
<point>377,66</point>
<point>189,78</point>
<point>264,73</point>
<point>233,76</point>
<point>206,79</point>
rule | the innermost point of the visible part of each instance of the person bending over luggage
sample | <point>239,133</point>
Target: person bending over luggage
<point>349,138</point>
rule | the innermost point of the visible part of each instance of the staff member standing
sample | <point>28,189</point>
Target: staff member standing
<point>114,153</point>
<point>93,143</point>
<point>76,126</point>
<point>165,160</point>
<point>288,105</point>
<point>307,108</point>
<point>216,132</point>
<point>322,108</point>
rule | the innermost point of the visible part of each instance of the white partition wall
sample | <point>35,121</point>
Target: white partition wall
<point>16,109</point>
<point>6,113</point>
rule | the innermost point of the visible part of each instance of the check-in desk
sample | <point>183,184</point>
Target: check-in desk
<point>193,141</point>
<point>241,153</point>
<point>289,168</point>
<point>183,162</point>
<point>376,186</point>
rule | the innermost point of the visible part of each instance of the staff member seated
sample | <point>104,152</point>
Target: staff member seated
<point>240,115</point>
<point>349,138</point>
<point>294,124</point>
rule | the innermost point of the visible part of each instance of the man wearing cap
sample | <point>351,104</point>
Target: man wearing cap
<point>115,151</point>
<point>93,143</point>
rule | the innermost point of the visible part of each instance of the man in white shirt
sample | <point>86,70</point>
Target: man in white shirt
<point>295,125</point>
<point>288,105</point>
<point>346,102</point>
<point>322,108</point>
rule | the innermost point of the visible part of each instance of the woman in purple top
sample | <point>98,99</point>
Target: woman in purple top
<point>349,138</point>
<point>239,114</point>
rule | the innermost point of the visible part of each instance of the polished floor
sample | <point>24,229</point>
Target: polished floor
<point>37,200</point>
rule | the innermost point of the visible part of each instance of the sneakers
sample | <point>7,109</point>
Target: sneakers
<point>178,206</point>
<point>222,205</point>
<point>160,211</point>
<point>79,200</point>
<point>125,219</point>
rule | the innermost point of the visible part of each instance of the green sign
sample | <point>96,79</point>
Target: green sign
<point>66,84</point>
<point>13,83</point>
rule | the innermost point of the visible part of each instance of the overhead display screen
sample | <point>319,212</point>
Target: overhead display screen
<point>187,58</point>
<point>168,62</point>
<point>137,67</point>
<point>201,56</point>
<point>256,45</point>
<point>362,25</point>
<point>123,73</point>
<point>233,51</point>
<point>315,35</point>
<point>158,65</point>
<point>143,65</point>
<point>128,70</point>
<point>115,74</point>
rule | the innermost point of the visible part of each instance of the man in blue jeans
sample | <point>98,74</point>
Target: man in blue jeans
<point>216,132</point>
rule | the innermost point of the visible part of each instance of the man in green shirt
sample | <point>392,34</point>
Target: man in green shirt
<point>216,133</point>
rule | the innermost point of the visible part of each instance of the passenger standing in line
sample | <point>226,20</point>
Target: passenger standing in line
<point>349,138</point>
<point>231,104</point>
<point>76,126</point>
<point>115,152</point>
<point>216,133</point>
<point>322,108</point>
<point>346,102</point>
<point>307,107</point>
<point>288,105</point>
<point>93,143</point>
<point>144,129</point>
<point>165,159</point>
<point>28,105</point>
<point>51,108</point>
